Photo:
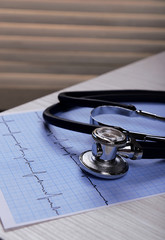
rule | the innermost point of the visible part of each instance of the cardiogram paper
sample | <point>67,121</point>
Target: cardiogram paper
<point>40,176</point>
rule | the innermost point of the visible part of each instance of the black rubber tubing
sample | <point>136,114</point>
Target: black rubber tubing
<point>68,100</point>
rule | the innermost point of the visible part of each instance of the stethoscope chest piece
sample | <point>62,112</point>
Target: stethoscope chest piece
<point>103,160</point>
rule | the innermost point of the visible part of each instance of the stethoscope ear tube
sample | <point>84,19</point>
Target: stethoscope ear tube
<point>110,97</point>
<point>50,117</point>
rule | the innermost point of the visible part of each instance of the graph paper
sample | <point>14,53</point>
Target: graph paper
<point>40,175</point>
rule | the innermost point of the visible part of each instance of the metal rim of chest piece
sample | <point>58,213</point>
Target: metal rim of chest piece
<point>103,161</point>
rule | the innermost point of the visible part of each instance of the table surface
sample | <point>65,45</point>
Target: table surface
<point>137,219</point>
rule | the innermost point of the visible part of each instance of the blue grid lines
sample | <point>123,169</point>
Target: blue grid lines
<point>40,176</point>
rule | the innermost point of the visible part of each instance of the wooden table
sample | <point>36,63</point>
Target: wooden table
<point>138,219</point>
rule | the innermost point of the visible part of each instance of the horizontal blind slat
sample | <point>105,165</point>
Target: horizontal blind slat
<point>83,44</point>
<point>55,30</point>
<point>24,67</point>
<point>88,6</point>
<point>70,57</point>
<point>40,81</point>
<point>85,18</point>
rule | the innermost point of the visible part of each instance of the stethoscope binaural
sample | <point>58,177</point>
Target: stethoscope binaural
<point>111,145</point>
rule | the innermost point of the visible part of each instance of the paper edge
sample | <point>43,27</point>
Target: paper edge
<point>15,225</point>
<point>7,219</point>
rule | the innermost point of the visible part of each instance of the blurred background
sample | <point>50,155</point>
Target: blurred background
<point>47,45</point>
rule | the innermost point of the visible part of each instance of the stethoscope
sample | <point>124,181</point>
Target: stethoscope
<point>112,145</point>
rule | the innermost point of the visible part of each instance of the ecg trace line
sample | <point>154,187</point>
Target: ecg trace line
<point>71,155</point>
<point>33,173</point>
